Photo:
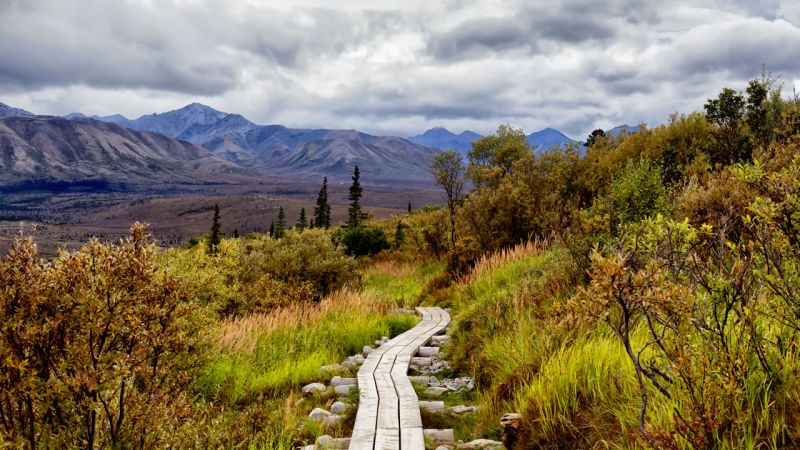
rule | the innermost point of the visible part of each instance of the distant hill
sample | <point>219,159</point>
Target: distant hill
<point>54,148</point>
<point>629,129</point>
<point>443,139</point>
<point>8,111</point>
<point>547,138</point>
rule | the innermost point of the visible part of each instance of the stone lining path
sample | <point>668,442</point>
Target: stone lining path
<point>388,415</point>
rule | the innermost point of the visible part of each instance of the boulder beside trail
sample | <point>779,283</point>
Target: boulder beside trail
<point>318,415</point>
<point>313,388</point>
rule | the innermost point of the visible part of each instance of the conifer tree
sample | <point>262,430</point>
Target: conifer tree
<point>280,226</point>
<point>322,212</point>
<point>409,207</point>
<point>272,229</point>
<point>302,223</point>
<point>235,233</point>
<point>399,234</point>
<point>214,239</point>
<point>354,213</point>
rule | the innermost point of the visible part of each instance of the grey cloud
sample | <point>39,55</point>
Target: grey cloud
<point>109,45</point>
<point>166,46</point>
<point>572,64</point>
<point>738,49</point>
<point>481,35</point>
<point>530,24</point>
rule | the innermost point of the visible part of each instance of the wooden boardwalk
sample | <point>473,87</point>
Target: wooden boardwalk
<point>388,415</point>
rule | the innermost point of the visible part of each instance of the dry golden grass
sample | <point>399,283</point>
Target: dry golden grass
<point>489,263</point>
<point>392,268</point>
<point>242,333</point>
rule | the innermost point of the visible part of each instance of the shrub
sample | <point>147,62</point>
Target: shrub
<point>364,240</point>
<point>95,347</point>
<point>306,262</point>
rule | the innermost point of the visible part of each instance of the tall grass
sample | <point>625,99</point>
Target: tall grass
<point>400,284</point>
<point>270,353</point>
<point>487,264</point>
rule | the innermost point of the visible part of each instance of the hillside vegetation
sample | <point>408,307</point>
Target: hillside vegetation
<point>638,292</point>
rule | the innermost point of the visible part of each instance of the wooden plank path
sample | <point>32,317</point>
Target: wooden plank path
<point>388,415</point>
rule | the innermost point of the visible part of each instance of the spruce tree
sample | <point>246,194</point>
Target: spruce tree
<point>322,212</point>
<point>272,229</point>
<point>302,223</point>
<point>235,233</point>
<point>280,226</point>
<point>354,213</point>
<point>399,234</point>
<point>327,216</point>
<point>214,239</point>
<point>409,207</point>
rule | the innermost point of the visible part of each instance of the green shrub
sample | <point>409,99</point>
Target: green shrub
<point>364,240</point>
<point>299,258</point>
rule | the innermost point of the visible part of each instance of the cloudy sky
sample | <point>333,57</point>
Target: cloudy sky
<point>394,66</point>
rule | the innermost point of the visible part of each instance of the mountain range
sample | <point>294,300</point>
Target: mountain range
<point>443,139</point>
<point>277,150</point>
<point>198,141</point>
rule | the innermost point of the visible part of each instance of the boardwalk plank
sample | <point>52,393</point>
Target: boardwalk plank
<point>388,416</point>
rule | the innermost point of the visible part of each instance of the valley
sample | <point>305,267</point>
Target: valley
<point>178,212</point>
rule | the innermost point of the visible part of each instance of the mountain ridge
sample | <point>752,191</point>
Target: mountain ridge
<point>10,111</point>
<point>55,148</point>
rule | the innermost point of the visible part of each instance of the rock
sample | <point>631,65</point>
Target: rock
<point>310,447</point>
<point>384,340</point>
<point>510,424</point>
<point>434,391</point>
<point>440,340</point>
<point>313,388</point>
<point>348,364</point>
<point>420,379</point>
<point>318,415</point>
<point>435,407</point>
<point>367,350</point>
<point>344,389</point>
<point>439,437</point>
<point>358,359</point>
<point>339,381</point>
<point>328,443</point>
<point>442,447</point>
<point>421,361</point>
<point>333,421</point>
<point>456,411</point>
<point>299,403</point>
<point>482,444</point>
<point>459,384</point>
<point>428,351</point>
<point>378,343</point>
<point>338,408</point>
<point>331,369</point>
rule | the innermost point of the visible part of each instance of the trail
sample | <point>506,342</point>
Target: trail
<point>388,415</point>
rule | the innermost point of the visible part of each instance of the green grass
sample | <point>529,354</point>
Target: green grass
<point>292,355</point>
<point>400,284</point>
